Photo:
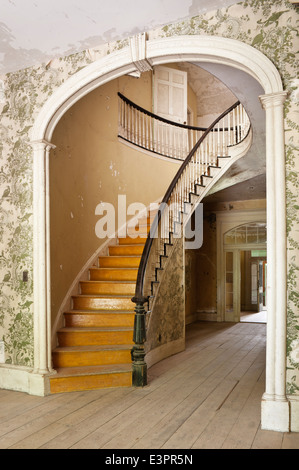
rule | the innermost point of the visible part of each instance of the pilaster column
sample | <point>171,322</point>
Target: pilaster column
<point>41,257</point>
<point>139,367</point>
<point>275,406</point>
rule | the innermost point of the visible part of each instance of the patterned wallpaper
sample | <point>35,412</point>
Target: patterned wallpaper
<point>270,26</point>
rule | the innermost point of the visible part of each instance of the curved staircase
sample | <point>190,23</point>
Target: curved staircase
<point>102,342</point>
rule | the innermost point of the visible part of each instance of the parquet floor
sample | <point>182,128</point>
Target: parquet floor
<point>207,397</point>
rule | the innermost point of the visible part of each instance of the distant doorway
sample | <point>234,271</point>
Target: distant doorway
<point>245,266</point>
<point>253,281</point>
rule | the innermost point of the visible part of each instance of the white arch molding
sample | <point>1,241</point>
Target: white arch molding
<point>141,55</point>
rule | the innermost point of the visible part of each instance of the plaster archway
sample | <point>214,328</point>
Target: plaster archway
<point>139,56</point>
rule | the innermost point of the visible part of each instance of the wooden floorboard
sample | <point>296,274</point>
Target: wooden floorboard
<point>206,397</point>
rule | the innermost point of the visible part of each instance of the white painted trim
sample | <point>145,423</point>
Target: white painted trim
<point>158,51</point>
<point>274,398</point>
<point>294,412</point>
<point>218,50</point>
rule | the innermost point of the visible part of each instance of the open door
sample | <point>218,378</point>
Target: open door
<point>170,102</point>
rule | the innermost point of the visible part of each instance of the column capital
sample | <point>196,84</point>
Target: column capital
<point>273,99</point>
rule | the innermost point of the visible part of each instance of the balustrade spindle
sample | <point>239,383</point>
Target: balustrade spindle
<point>174,140</point>
<point>223,138</point>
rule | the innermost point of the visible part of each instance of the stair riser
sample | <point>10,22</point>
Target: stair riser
<point>102,288</point>
<point>139,230</point>
<point>99,320</point>
<point>119,262</point>
<point>92,338</point>
<point>91,358</point>
<point>126,250</point>
<point>214,171</point>
<point>105,303</point>
<point>113,274</point>
<point>90,382</point>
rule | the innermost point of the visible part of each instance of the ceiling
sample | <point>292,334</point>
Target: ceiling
<point>36,31</point>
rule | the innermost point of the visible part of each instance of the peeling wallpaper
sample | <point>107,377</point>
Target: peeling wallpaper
<point>269,26</point>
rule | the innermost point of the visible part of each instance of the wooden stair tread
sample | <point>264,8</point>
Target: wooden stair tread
<point>77,329</point>
<point>103,296</point>
<point>108,282</point>
<point>98,312</point>
<point>92,370</point>
<point>114,268</point>
<point>92,348</point>
<point>128,245</point>
<point>131,240</point>
<point>119,256</point>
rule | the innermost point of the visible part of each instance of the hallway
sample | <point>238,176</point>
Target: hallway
<point>207,397</point>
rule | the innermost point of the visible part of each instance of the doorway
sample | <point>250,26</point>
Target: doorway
<point>253,279</point>
<point>245,273</point>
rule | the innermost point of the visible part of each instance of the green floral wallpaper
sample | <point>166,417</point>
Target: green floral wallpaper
<point>269,26</point>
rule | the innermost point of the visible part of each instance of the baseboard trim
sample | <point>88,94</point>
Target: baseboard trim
<point>23,379</point>
<point>275,415</point>
<point>294,413</point>
<point>164,351</point>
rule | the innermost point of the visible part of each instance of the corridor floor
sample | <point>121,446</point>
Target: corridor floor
<point>207,397</point>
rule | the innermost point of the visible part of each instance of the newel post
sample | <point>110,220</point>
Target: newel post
<point>139,377</point>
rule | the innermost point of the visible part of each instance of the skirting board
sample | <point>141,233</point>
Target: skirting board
<point>294,413</point>
<point>201,315</point>
<point>275,415</point>
<point>22,379</point>
<point>206,315</point>
<point>164,351</point>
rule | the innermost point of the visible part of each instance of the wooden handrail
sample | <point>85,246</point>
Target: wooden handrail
<point>159,135</point>
<point>159,118</point>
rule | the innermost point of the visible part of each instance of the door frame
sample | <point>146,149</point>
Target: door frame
<point>224,223</point>
<point>221,302</point>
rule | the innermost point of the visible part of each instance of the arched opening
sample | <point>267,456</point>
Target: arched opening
<point>245,253</point>
<point>204,49</point>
